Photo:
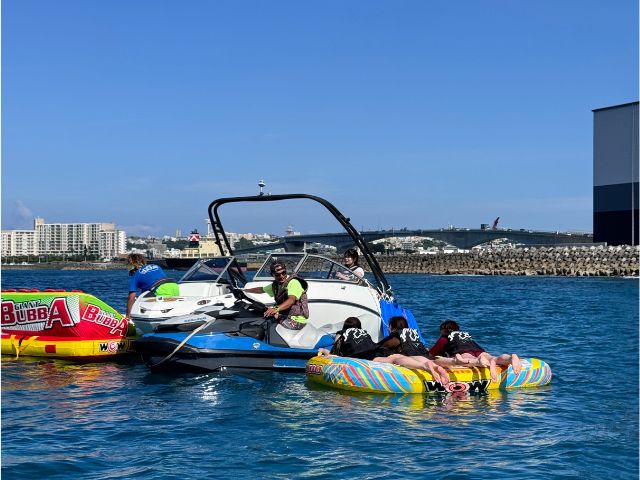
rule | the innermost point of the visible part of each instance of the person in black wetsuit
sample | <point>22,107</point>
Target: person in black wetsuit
<point>411,351</point>
<point>353,341</point>
<point>461,347</point>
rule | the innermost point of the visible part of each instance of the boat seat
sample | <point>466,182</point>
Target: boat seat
<point>306,338</point>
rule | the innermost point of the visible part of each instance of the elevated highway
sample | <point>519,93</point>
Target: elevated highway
<point>459,237</point>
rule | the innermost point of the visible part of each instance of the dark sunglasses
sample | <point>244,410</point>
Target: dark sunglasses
<point>279,273</point>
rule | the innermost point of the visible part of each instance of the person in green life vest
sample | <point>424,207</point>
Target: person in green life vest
<point>291,308</point>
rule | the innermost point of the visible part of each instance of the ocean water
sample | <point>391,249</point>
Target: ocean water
<point>117,420</point>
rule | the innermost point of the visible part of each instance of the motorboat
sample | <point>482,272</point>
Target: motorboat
<point>204,288</point>
<point>230,331</point>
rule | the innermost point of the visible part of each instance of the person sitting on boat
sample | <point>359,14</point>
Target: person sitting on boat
<point>353,341</point>
<point>461,347</point>
<point>148,278</point>
<point>411,351</point>
<point>291,307</point>
<point>350,260</point>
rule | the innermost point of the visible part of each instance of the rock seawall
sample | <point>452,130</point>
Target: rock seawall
<point>566,261</point>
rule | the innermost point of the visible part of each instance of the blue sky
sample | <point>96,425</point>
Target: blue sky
<point>404,114</point>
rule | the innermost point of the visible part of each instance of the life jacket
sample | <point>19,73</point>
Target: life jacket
<point>355,267</point>
<point>160,282</point>
<point>356,343</point>
<point>410,343</point>
<point>280,294</point>
<point>460,342</point>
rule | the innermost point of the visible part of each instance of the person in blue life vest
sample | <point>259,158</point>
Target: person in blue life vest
<point>148,278</point>
<point>291,308</point>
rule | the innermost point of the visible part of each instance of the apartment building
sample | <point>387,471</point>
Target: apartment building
<point>19,243</point>
<point>112,243</point>
<point>96,239</point>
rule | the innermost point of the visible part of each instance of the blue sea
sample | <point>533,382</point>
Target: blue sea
<point>117,420</point>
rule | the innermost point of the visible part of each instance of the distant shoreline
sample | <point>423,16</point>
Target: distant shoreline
<point>556,261</point>
<point>66,266</point>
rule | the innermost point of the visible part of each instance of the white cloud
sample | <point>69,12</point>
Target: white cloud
<point>23,211</point>
<point>19,217</point>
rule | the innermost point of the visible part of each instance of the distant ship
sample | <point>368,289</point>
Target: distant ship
<point>172,263</point>
<point>186,263</point>
<point>198,249</point>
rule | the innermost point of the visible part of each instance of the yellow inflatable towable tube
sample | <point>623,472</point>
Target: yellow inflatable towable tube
<point>62,324</point>
<point>374,377</point>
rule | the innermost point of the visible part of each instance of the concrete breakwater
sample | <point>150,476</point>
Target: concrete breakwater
<point>565,261</point>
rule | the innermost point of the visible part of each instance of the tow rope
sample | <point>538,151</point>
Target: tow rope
<point>181,344</point>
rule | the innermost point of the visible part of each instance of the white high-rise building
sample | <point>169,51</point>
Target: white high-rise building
<point>99,239</point>
<point>112,243</point>
<point>19,243</point>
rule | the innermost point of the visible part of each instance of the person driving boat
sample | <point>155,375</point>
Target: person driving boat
<point>291,308</point>
<point>350,260</point>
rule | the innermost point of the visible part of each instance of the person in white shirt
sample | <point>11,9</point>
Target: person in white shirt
<point>350,260</point>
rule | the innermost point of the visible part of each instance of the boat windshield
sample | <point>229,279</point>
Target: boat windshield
<point>216,270</point>
<point>309,267</point>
